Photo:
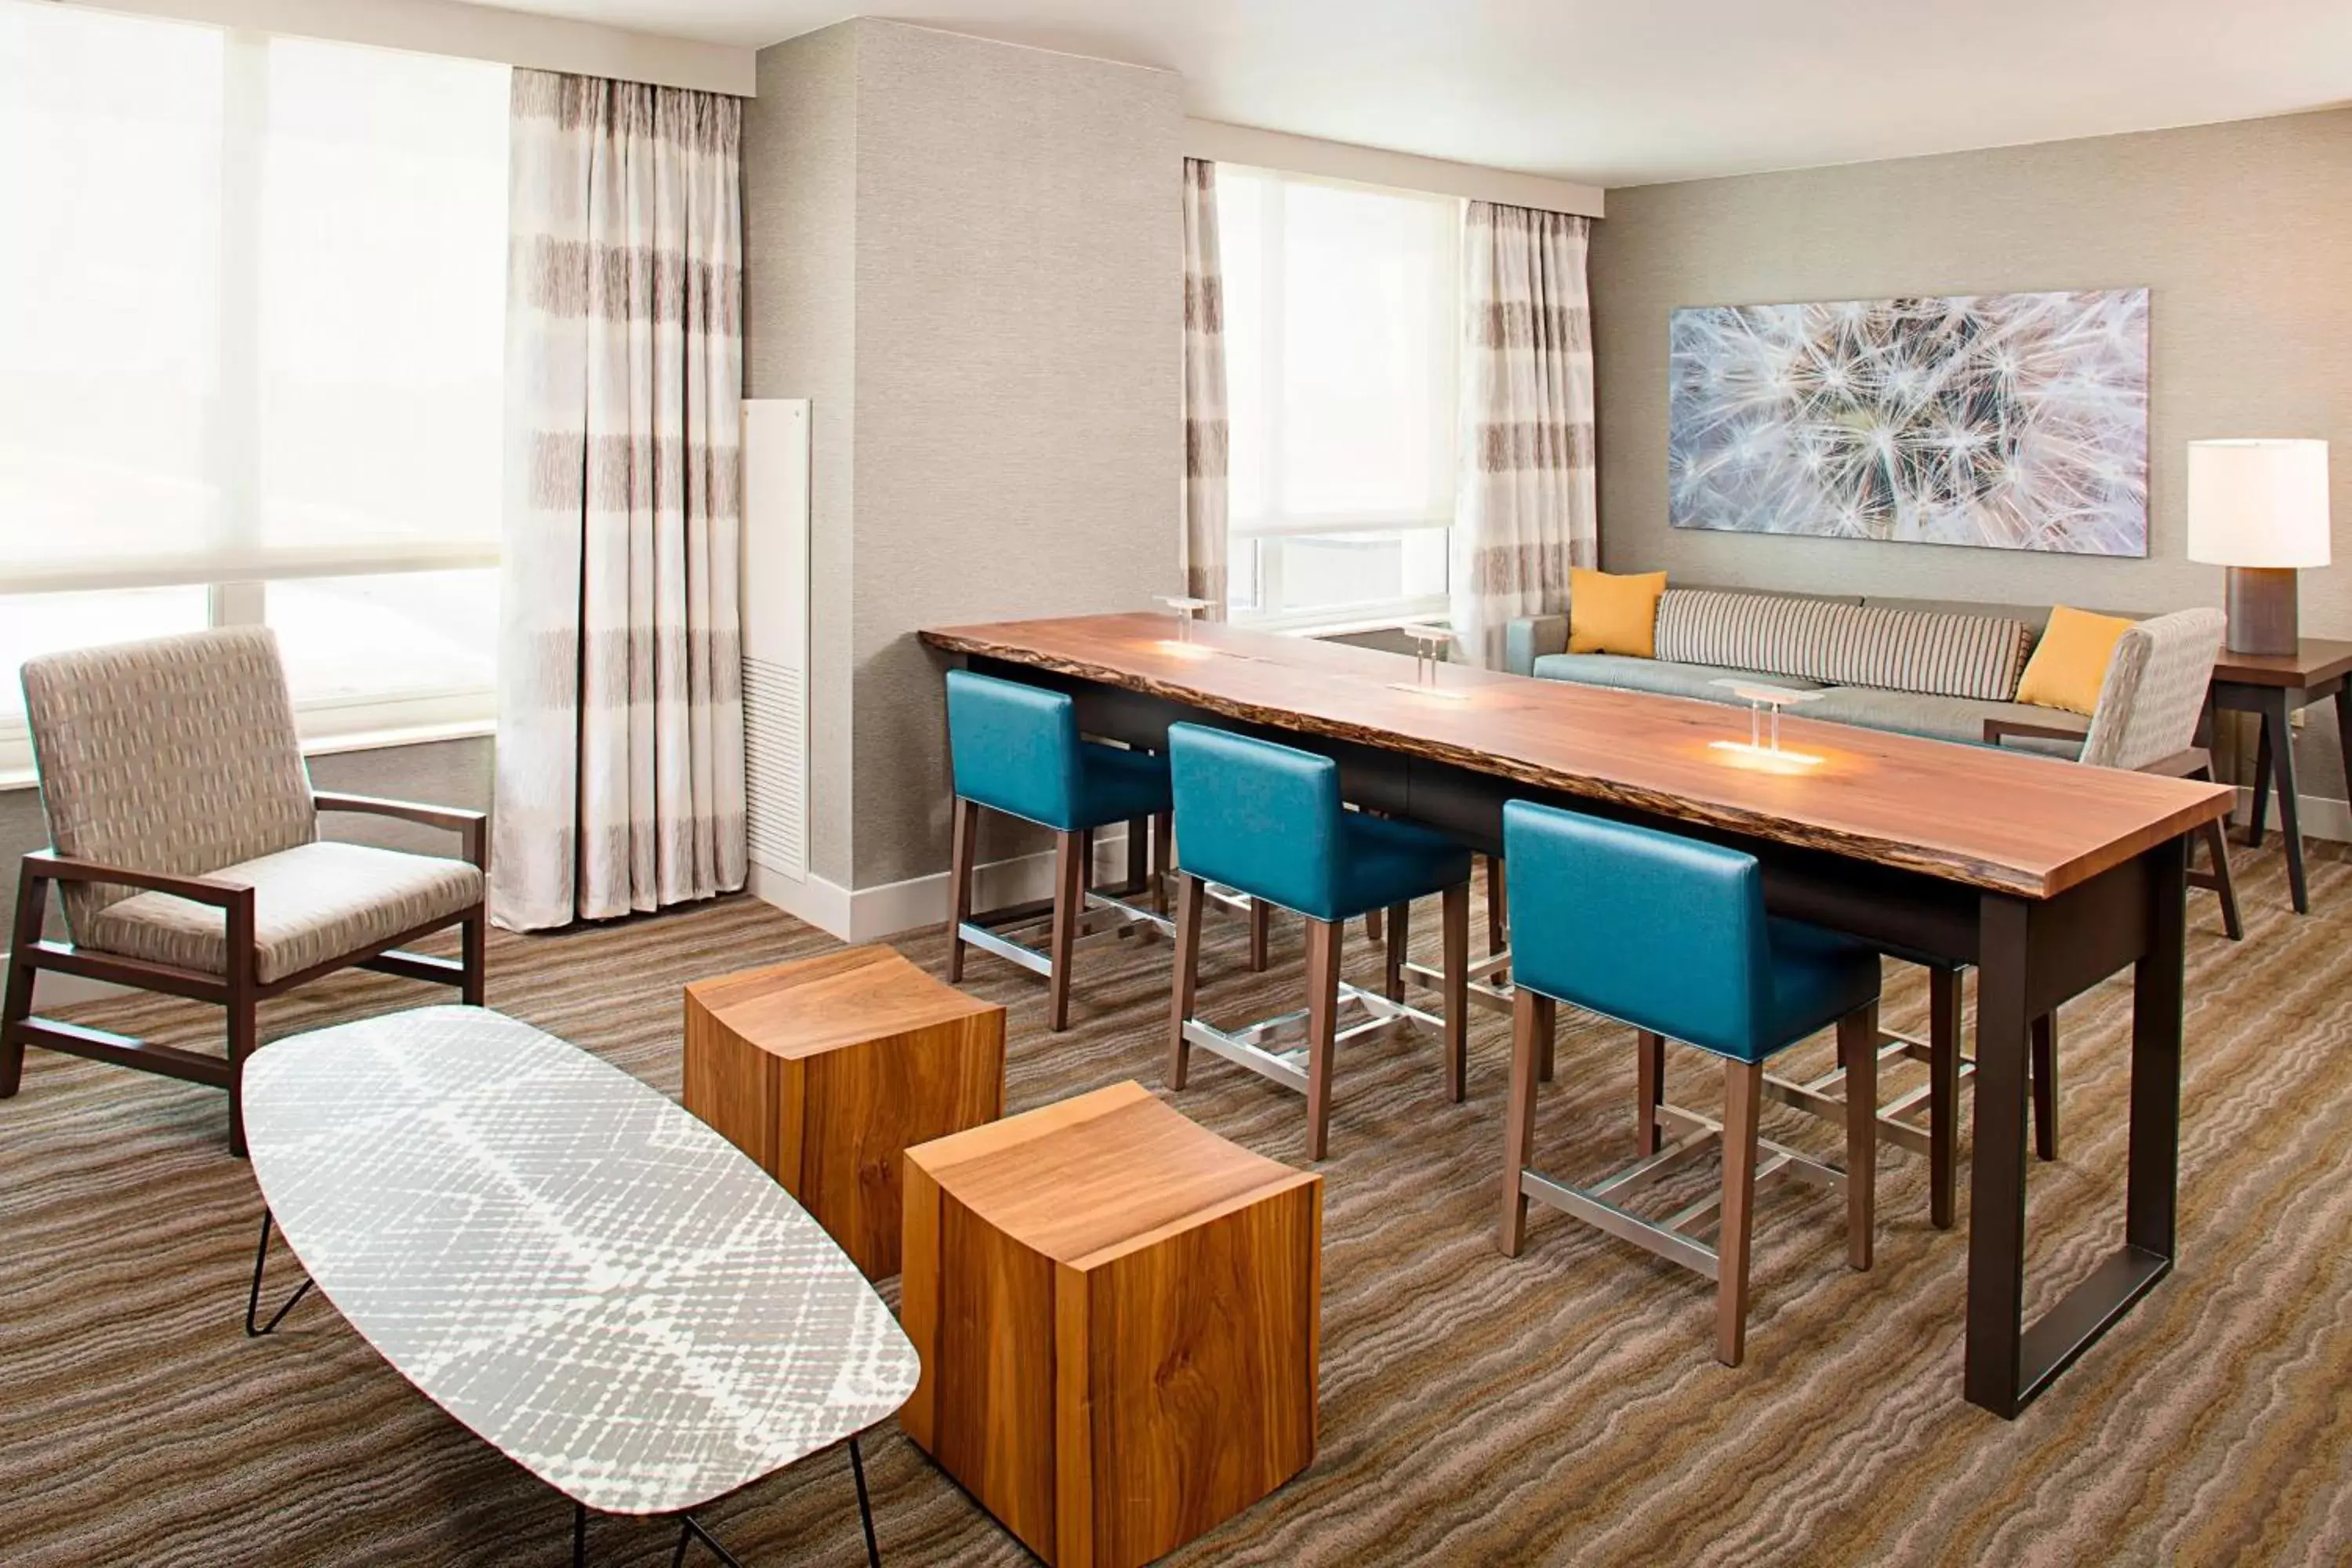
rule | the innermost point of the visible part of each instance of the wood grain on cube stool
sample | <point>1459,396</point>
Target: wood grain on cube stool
<point>825,1070</point>
<point>1118,1317</point>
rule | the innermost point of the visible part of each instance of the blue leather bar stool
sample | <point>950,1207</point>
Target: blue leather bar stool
<point>1015,749</point>
<point>1670,935</point>
<point>1266,820</point>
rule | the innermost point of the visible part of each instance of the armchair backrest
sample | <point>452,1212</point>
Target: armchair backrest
<point>2155,689</point>
<point>176,755</point>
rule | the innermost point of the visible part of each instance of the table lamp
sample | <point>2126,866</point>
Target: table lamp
<point>2259,508</point>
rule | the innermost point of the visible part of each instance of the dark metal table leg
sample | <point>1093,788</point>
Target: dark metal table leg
<point>1997,1162</point>
<point>253,1296</point>
<point>864,1506</point>
<point>689,1526</point>
<point>579,1535</point>
<point>2278,724</point>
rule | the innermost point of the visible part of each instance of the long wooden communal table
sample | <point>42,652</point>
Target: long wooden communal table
<point>2049,877</point>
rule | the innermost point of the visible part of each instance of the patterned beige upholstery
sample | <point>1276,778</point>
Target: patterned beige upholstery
<point>312,903</point>
<point>2155,689</point>
<point>177,756</point>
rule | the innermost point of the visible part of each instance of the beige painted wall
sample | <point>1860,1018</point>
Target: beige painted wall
<point>800,320</point>
<point>2243,233</point>
<point>967,254</point>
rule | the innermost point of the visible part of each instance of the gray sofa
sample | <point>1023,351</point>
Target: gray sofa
<point>1894,699</point>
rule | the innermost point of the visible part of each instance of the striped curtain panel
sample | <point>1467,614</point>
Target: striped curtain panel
<point>620,745</point>
<point>1204,393</point>
<point>1527,508</point>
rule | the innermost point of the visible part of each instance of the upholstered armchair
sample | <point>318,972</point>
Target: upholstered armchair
<point>2151,706</point>
<point>186,842</point>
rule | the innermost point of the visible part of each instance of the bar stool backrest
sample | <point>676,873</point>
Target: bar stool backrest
<point>1015,747</point>
<point>1663,932</point>
<point>1258,816</point>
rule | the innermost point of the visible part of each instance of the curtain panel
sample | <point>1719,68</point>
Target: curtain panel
<point>620,746</point>
<point>1204,495</point>
<point>1526,509</point>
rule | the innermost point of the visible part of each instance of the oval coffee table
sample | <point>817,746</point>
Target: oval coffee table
<point>601,1287</point>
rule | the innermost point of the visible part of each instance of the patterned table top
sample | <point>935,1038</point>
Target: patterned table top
<point>601,1287</point>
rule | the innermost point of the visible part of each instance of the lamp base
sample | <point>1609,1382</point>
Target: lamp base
<point>2262,610</point>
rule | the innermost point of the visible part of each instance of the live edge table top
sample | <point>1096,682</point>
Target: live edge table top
<point>2005,820</point>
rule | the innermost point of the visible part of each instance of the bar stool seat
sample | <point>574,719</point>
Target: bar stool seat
<point>1670,935</point>
<point>1015,749</point>
<point>1267,821</point>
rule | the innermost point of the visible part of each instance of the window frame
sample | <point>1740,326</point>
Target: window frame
<point>238,572</point>
<point>1265,537</point>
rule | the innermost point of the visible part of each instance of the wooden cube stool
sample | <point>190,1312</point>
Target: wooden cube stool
<point>1118,1314</point>
<point>825,1070</point>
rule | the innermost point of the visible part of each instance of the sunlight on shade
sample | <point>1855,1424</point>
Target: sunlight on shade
<point>1764,759</point>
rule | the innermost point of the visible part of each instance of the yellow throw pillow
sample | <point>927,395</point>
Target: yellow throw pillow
<point>1615,614</point>
<point>2070,664</point>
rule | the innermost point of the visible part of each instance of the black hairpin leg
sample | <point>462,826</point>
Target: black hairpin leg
<point>690,1529</point>
<point>579,1535</point>
<point>865,1508</point>
<point>253,1297</point>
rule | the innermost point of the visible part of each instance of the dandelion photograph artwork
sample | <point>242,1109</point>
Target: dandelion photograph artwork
<point>2014,421</point>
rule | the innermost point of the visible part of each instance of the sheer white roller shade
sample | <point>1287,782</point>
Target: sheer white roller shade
<point>251,296</point>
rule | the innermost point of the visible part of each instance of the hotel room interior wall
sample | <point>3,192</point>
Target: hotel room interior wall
<point>439,773</point>
<point>800,330</point>
<point>2240,232</point>
<point>1019,322</point>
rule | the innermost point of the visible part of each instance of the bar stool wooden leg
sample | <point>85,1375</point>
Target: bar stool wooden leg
<point>1498,908</point>
<point>1456,917</point>
<point>1138,854</point>
<point>1943,1090</point>
<point>1743,1091</point>
<point>1069,901</point>
<point>1649,1089</point>
<point>1188,971</point>
<point>1372,927</point>
<point>1399,932</point>
<point>1322,1025</point>
<point>1261,917</point>
<point>1858,1042</point>
<point>1163,859</point>
<point>965,824</point>
<point>1533,1020</point>
<point>2045,1085</point>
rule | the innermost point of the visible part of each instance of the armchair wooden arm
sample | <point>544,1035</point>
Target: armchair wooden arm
<point>48,865</point>
<point>1998,730</point>
<point>468,825</point>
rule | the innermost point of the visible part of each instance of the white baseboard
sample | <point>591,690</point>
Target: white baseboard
<point>873,914</point>
<point>2319,817</point>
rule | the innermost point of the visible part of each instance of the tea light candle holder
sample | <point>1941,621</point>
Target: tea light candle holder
<point>1763,742</point>
<point>1429,645</point>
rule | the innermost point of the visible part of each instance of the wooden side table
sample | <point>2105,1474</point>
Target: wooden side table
<point>1118,1314</point>
<point>2275,685</point>
<point>825,1070</point>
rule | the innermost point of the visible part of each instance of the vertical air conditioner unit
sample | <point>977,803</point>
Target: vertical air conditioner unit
<point>776,633</point>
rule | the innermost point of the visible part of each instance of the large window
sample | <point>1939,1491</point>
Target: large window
<point>252,308</point>
<point>1342,315</point>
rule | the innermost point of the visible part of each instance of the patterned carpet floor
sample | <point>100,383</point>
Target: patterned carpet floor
<point>1561,1408</point>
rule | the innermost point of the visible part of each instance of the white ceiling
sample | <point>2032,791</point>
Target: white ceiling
<point>1631,91</point>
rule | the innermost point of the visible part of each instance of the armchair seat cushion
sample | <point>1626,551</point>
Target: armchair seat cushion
<point>311,904</point>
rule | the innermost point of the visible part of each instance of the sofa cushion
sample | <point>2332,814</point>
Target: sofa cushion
<point>1847,645</point>
<point>1614,611</point>
<point>1662,677</point>
<point>1932,717</point>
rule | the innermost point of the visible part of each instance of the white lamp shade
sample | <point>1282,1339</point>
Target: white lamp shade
<point>2258,503</point>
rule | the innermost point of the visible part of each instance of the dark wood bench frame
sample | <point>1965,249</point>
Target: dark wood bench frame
<point>29,953</point>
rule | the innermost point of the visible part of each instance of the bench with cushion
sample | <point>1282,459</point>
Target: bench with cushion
<point>1918,666</point>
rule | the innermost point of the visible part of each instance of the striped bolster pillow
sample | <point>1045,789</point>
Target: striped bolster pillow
<point>1942,654</point>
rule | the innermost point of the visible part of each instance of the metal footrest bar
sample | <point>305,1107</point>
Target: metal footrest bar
<point>1485,990</point>
<point>1250,1046</point>
<point>1801,1165</point>
<point>995,938</point>
<point>1691,1252</point>
<point>1818,1096</point>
